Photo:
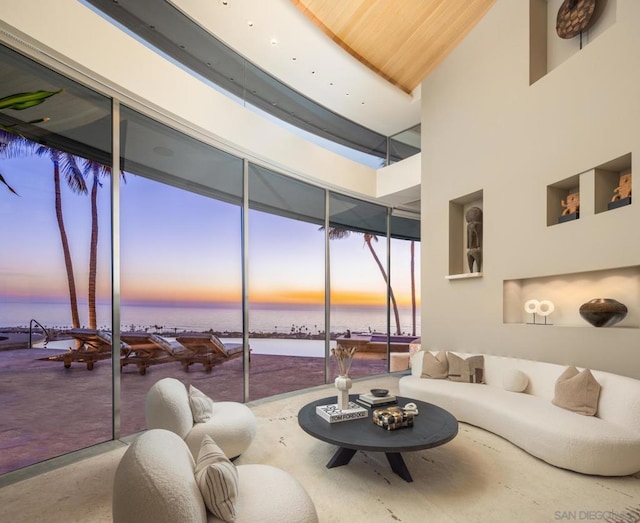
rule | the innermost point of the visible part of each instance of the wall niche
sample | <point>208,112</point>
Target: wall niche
<point>466,239</point>
<point>568,291</point>
<point>546,49</point>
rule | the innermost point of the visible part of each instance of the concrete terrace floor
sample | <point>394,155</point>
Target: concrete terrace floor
<point>47,410</point>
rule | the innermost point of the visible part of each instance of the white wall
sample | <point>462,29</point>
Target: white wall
<point>78,34</point>
<point>485,128</point>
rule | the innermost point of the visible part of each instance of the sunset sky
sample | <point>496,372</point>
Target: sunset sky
<point>178,247</point>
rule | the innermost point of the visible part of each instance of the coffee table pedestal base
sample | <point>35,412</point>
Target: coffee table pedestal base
<point>343,457</point>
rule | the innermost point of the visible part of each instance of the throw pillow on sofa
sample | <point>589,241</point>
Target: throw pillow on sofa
<point>435,367</point>
<point>217,479</point>
<point>469,370</point>
<point>514,380</point>
<point>201,405</point>
<point>577,391</point>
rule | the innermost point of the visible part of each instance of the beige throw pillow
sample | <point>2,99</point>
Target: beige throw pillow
<point>201,405</point>
<point>470,370</point>
<point>217,479</point>
<point>577,391</point>
<point>435,367</point>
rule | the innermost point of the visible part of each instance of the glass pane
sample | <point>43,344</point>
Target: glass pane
<point>181,266</point>
<point>286,284</point>
<point>55,266</point>
<point>359,275</point>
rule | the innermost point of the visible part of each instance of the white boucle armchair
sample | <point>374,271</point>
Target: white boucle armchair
<point>232,425</point>
<point>155,483</point>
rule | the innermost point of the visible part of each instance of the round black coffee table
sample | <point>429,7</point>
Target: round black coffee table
<point>433,426</point>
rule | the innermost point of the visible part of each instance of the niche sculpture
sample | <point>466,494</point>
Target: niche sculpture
<point>624,188</point>
<point>572,205</point>
<point>474,238</point>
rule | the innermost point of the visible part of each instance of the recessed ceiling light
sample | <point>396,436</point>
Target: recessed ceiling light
<point>274,41</point>
<point>250,23</point>
<point>294,58</point>
<point>313,72</point>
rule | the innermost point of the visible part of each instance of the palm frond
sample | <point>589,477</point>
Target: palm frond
<point>73,174</point>
<point>4,182</point>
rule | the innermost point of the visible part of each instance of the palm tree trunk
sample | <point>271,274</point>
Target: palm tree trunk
<point>73,299</point>
<point>367,239</point>
<point>93,255</point>
<point>413,288</point>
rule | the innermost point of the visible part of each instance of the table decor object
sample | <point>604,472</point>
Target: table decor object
<point>333,414</point>
<point>344,357</point>
<point>392,418</point>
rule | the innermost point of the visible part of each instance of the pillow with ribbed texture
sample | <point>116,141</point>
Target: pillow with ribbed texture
<point>217,479</point>
<point>435,367</point>
<point>577,391</point>
<point>201,405</point>
<point>469,370</point>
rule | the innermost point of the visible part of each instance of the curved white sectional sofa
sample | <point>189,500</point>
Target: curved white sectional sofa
<point>607,444</point>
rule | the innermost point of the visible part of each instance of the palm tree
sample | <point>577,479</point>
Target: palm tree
<point>14,145</point>
<point>95,171</point>
<point>65,164</point>
<point>335,233</point>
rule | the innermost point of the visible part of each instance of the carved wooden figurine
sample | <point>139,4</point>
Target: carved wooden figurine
<point>474,238</point>
<point>624,189</point>
<point>572,205</point>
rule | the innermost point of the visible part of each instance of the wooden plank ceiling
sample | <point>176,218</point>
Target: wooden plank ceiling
<point>401,40</point>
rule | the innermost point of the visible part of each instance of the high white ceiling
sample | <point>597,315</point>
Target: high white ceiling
<point>277,37</point>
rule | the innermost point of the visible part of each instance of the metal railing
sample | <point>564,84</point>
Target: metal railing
<point>46,333</point>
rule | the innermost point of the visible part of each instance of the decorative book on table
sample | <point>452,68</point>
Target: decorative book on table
<point>369,400</point>
<point>333,414</point>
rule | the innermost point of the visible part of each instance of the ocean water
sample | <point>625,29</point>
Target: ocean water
<point>307,319</point>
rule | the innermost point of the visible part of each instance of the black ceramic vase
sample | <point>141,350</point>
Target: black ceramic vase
<point>603,312</point>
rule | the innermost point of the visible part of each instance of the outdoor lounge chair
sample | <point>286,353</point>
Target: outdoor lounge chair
<point>143,350</point>
<point>95,345</point>
<point>206,349</point>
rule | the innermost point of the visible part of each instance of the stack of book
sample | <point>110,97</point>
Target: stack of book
<point>333,414</point>
<point>369,400</point>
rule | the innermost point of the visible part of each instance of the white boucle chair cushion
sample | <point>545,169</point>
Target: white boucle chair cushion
<point>167,407</point>
<point>201,405</point>
<point>514,380</point>
<point>232,427</point>
<point>217,479</point>
<point>154,482</point>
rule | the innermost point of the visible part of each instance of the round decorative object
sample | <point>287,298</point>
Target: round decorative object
<point>546,307</point>
<point>514,380</point>
<point>380,393</point>
<point>603,312</point>
<point>575,16</point>
<point>531,306</point>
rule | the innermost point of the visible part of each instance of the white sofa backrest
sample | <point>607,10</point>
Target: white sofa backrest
<point>167,407</point>
<point>154,482</point>
<point>619,400</point>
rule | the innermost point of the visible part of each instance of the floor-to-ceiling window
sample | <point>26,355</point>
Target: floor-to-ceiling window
<point>181,265</point>
<point>359,277</point>
<point>55,143</point>
<point>181,269</point>
<point>286,261</point>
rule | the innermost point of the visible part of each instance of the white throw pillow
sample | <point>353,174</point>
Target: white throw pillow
<point>217,479</point>
<point>201,405</point>
<point>514,380</point>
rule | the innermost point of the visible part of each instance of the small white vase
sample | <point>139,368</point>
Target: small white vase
<point>343,384</point>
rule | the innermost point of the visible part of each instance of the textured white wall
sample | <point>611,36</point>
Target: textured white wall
<point>485,128</point>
